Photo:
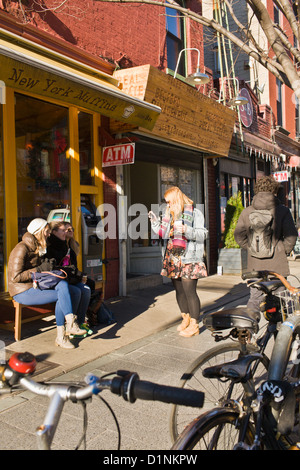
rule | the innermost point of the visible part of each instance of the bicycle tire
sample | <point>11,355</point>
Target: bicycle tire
<point>217,429</point>
<point>214,390</point>
<point>281,353</point>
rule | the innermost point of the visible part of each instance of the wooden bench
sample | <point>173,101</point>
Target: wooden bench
<point>14,309</point>
<point>11,311</point>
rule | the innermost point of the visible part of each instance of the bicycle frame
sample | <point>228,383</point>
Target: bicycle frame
<point>123,383</point>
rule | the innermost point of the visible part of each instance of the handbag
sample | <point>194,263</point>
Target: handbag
<point>48,279</point>
<point>178,246</point>
<point>73,274</point>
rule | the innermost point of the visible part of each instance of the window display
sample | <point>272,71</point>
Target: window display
<point>42,143</point>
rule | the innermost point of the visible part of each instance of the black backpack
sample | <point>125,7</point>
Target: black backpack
<point>260,241</point>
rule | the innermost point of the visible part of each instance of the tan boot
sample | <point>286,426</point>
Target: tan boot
<point>72,328</point>
<point>191,330</point>
<point>185,322</point>
<point>62,340</point>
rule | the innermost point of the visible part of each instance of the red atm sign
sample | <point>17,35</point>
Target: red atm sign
<point>118,155</point>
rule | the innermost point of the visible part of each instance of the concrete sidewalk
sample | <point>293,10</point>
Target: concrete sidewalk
<point>139,315</point>
<point>144,340</point>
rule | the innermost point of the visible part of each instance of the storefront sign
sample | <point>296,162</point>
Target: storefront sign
<point>188,117</point>
<point>111,103</point>
<point>118,155</point>
<point>281,176</point>
<point>246,110</point>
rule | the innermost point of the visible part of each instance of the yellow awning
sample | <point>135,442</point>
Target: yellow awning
<point>33,70</point>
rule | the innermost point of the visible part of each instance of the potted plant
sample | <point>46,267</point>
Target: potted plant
<point>231,257</point>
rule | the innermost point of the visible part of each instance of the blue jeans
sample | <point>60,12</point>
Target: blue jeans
<point>67,298</point>
<point>85,298</point>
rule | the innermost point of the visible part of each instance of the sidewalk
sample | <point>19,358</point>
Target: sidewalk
<point>144,340</point>
<point>139,315</point>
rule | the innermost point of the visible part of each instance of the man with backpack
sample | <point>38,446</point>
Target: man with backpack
<point>267,231</point>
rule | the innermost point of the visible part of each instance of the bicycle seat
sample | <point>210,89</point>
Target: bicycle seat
<point>267,286</point>
<point>240,317</point>
<point>237,369</point>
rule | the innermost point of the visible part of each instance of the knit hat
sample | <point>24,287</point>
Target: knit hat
<point>36,225</point>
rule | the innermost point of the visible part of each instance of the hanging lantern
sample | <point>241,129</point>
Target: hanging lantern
<point>294,161</point>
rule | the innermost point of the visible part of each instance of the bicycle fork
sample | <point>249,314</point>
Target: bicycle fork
<point>45,432</point>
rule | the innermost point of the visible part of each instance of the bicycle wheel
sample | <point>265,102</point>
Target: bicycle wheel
<point>215,391</point>
<point>217,429</point>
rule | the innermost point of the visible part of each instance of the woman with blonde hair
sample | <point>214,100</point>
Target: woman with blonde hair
<point>27,258</point>
<point>183,227</point>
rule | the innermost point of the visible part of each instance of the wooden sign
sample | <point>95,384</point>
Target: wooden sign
<point>100,96</point>
<point>188,116</point>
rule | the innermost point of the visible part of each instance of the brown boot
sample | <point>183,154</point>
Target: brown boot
<point>185,322</point>
<point>191,330</point>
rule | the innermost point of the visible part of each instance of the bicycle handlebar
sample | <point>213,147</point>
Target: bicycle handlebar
<point>125,384</point>
<point>264,276</point>
<point>131,388</point>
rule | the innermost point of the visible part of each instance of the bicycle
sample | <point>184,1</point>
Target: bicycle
<point>246,337</point>
<point>21,366</point>
<point>264,417</point>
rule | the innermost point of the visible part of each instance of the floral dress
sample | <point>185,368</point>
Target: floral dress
<point>174,268</point>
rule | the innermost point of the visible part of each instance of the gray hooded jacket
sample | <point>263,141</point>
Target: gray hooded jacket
<point>284,234</point>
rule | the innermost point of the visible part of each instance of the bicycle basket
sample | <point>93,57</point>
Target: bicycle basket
<point>289,302</point>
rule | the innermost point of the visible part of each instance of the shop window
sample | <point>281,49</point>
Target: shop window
<point>143,193</point>
<point>85,130</point>
<point>1,207</point>
<point>183,178</point>
<point>42,141</point>
<point>279,102</point>
<point>174,39</point>
<point>297,119</point>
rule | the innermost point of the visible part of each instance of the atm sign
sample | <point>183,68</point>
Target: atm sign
<point>281,176</point>
<point>118,155</point>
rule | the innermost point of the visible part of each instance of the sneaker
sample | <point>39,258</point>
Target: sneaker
<point>85,326</point>
<point>73,335</point>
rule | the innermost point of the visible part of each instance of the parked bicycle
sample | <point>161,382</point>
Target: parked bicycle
<point>246,338</point>
<point>265,417</point>
<point>20,366</point>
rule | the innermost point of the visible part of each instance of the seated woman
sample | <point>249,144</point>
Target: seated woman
<point>74,249</point>
<point>57,248</point>
<point>28,257</point>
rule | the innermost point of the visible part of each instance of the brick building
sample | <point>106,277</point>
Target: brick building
<point>189,143</point>
<point>101,45</point>
<point>266,138</point>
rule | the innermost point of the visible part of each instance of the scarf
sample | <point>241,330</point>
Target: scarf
<point>186,218</point>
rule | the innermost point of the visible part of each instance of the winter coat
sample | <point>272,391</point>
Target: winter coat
<point>195,235</point>
<point>23,260</point>
<point>57,248</point>
<point>284,234</point>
